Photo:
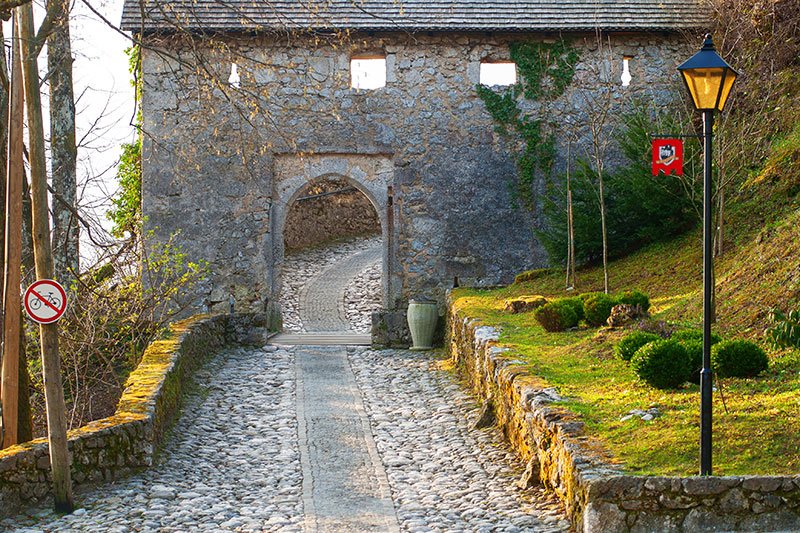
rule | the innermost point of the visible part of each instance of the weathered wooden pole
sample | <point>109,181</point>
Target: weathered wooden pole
<point>43,256</point>
<point>13,254</point>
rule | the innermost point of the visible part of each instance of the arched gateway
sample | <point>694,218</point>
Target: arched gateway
<point>371,174</point>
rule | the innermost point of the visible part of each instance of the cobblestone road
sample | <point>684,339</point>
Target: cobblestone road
<point>238,459</point>
<point>357,264</point>
<point>319,438</point>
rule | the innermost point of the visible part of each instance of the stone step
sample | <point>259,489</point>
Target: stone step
<point>322,339</point>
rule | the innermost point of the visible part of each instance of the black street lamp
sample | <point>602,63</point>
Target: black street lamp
<point>709,80</point>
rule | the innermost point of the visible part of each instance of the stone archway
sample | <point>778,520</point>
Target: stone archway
<point>372,175</point>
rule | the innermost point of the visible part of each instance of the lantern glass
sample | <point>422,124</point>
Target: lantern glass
<point>709,87</point>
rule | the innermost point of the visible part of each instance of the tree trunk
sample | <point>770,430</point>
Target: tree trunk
<point>24,415</point>
<point>11,256</point>
<point>63,152</point>
<point>43,256</point>
<point>28,266</point>
<point>605,233</point>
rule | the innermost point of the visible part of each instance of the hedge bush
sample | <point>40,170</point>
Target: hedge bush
<point>664,364</point>
<point>597,309</point>
<point>634,298</point>
<point>632,342</point>
<point>694,348</point>
<point>738,359</point>
<point>556,316</point>
<point>576,304</point>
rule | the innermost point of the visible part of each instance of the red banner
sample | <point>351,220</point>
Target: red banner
<point>667,156</point>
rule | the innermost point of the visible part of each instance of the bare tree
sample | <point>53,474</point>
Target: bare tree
<point>598,103</point>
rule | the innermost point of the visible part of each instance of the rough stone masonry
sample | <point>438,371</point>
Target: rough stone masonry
<point>223,162</point>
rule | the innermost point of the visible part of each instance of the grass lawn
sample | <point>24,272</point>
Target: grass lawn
<point>756,421</point>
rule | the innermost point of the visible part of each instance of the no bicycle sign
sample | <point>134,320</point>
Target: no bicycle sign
<point>45,301</point>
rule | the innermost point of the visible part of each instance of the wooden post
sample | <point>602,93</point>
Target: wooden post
<point>43,255</point>
<point>13,252</point>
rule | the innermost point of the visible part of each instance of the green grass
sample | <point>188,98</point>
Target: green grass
<point>756,421</point>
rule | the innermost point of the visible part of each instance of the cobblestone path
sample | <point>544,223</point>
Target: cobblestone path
<point>313,438</point>
<point>238,460</point>
<point>348,310</point>
<point>322,305</point>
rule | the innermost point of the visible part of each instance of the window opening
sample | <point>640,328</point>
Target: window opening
<point>498,73</point>
<point>234,79</point>
<point>626,71</point>
<point>367,72</point>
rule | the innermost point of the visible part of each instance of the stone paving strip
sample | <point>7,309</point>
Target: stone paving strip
<point>381,432</point>
<point>322,300</point>
<point>361,295</point>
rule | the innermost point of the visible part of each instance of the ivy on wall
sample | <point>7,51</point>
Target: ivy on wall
<point>545,71</point>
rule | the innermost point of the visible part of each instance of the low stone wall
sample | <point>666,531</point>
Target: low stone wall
<point>598,496</point>
<point>113,447</point>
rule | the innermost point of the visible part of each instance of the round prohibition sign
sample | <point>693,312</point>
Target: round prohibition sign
<point>45,301</point>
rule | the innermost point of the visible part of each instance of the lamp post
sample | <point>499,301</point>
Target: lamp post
<point>709,80</point>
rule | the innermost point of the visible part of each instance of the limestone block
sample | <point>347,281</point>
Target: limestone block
<point>603,517</point>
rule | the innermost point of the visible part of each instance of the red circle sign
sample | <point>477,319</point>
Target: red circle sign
<point>45,301</point>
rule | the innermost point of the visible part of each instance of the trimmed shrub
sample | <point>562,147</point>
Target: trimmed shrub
<point>632,342</point>
<point>694,348</point>
<point>738,359</point>
<point>690,335</point>
<point>664,364</point>
<point>634,298</point>
<point>597,309</point>
<point>556,316</point>
<point>576,304</point>
<point>585,295</point>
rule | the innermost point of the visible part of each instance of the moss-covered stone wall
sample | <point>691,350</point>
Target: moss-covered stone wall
<point>113,447</point>
<point>597,495</point>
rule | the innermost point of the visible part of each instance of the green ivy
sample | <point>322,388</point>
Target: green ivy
<point>545,71</point>
<point>126,207</point>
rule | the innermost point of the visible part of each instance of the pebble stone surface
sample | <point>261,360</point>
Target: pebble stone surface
<point>256,450</point>
<point>361,295</point>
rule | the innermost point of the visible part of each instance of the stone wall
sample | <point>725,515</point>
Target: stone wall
<point>222,164</point>
<point>329,211</point>
<point>598,496</point>
<point>113,447</point>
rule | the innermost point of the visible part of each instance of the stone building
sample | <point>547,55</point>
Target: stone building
<point>245,102</point>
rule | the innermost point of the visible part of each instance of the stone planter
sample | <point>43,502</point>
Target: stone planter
<point>422,316</point>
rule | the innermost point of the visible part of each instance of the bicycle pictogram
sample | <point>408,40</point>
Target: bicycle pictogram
<point>50,297</point>
<point>45,301</point>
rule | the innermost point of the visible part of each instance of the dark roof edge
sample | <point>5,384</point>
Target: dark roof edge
<point>394,29</point>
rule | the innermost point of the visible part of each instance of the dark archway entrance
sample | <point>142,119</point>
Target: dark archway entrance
<point>333,255</point>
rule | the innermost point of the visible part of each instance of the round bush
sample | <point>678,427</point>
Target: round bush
<point>664,364</point>
<point>694,348</point>
<point>738,359</point>
<point>632,342</point>
<point>634,298</point>
<point>689,335</point>
<point>576,304</point>
<point>597,309</point>
<point>556,316</point>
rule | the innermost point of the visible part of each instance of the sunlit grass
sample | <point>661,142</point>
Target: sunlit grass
<point>756,421</point>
